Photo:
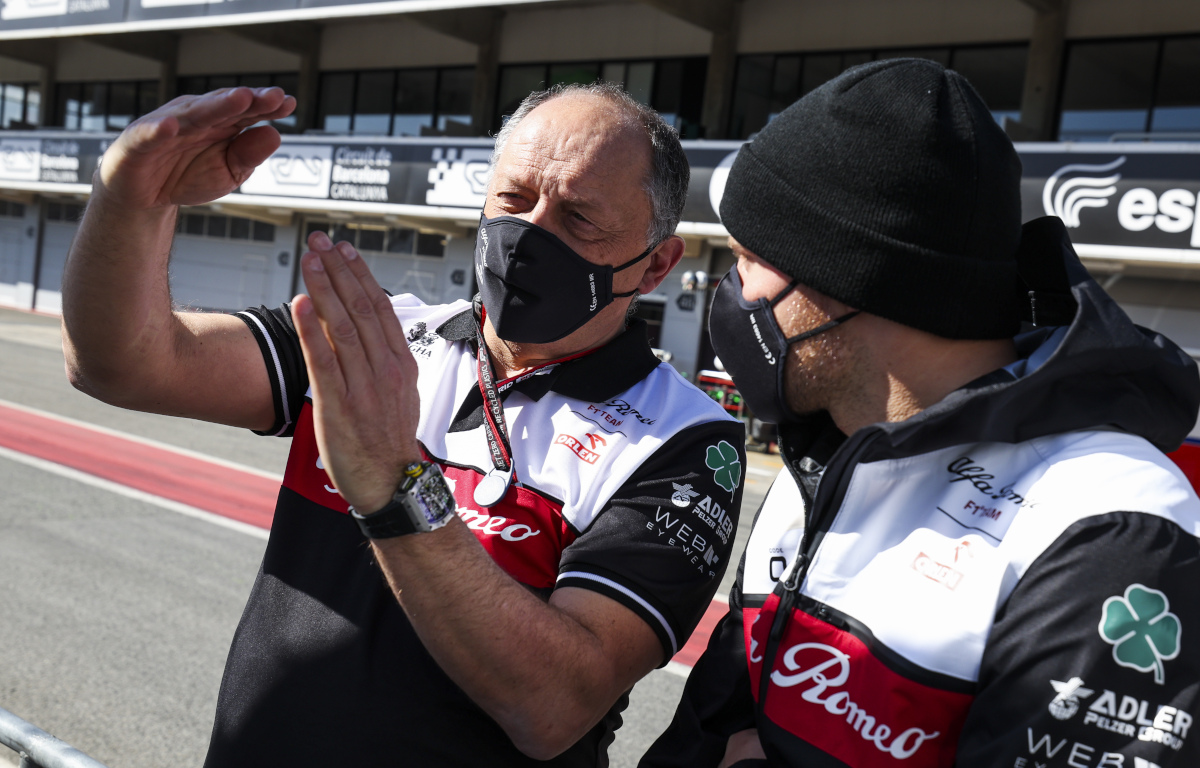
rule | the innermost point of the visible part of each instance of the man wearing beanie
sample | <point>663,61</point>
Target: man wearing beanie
<point>977,553</point>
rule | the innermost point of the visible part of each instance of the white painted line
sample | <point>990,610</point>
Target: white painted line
<point>145,441</point>
<point>761,472</point>
<point>132,493</point>
<point>675,668</point>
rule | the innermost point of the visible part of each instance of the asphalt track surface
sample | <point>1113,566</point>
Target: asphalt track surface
<point>118,602</point>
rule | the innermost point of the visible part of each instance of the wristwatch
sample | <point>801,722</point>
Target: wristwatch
<point>422,503</point>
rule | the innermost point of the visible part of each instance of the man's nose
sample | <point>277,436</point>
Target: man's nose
<point>546,215</point>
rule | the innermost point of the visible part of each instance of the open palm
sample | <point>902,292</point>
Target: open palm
<point>193,149</point>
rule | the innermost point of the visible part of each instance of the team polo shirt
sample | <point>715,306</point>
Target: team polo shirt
<point>628,483</point>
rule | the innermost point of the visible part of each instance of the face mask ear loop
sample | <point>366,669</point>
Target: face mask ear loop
<point>630,263</point>
<point>783,294</point>
<point>822,328</point>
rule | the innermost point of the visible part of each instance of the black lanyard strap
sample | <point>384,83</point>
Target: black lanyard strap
<point>495,484</point>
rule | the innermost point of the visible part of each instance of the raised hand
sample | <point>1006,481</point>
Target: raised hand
<point>363,377</point>
<point>193,149</point>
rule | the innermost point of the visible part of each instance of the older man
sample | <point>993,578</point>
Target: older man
<point>978,553</point>
<point>551,507</point>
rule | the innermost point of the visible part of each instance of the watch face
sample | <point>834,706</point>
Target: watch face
<point>437,502</point>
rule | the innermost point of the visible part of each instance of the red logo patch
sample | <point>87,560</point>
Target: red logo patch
<point>828,689</point>
<point>524,533</point>
<point>935,571</point>
<point>580,450</point>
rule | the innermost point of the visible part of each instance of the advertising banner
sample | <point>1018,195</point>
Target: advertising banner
<point>17,15</point>
<point>36,14</point>
<point>1136,201</point>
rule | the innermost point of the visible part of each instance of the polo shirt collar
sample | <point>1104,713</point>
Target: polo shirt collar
<point>601,375</point>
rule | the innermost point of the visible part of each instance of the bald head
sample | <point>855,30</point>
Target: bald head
<point>614,123</point>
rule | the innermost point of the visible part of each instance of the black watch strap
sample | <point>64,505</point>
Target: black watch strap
<point>422,503</point>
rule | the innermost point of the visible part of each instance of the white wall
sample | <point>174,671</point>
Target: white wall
<point>55,244</point>
<point>18,245</point>
<point>212,273</point>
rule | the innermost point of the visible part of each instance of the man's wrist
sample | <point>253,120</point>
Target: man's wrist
<point>421,503</point>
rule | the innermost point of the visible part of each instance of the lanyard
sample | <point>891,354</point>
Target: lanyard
<point>496,482</point>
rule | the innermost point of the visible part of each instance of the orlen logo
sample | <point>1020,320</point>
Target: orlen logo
<point>825,669</point>
<point>1074,187</point>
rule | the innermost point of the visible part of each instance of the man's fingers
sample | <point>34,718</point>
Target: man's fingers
<point>323,371</point>
<point>358,304</point>
<point>341,329</point>
<point>390,324</point>
<point>249,150</point>
<point>214,109</point>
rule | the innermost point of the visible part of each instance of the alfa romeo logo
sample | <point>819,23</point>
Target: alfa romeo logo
<point>1141,629</point>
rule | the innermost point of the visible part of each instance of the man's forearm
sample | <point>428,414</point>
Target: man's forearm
<point>116,297</point>
<point>544,676</point>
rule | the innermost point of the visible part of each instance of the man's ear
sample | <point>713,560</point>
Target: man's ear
<point>661,261</point>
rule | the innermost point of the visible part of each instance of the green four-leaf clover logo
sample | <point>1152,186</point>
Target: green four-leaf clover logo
<point>723,458</point>
<point>1141,629</point>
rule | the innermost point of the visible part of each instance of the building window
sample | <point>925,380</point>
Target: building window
<point>12,210</point>
<point>1176,99</point>
<point>765,85</point>
<point>106,106</point>
<point>20,105</point>
<point>1107,89</point>
<point>404,102</point>
<point>288,81</point>
<point>65,212</point>
<point>220,227</point>
<point>1133,87</point>
<point>375,239</point>
<point>673,87</point>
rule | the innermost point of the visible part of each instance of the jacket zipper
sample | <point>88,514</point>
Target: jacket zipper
<point>790,586</point>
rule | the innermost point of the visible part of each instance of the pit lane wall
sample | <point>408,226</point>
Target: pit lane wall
<point>1133,210</point>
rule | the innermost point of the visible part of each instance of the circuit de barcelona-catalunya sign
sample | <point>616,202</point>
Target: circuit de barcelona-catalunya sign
<point>1133,202</point>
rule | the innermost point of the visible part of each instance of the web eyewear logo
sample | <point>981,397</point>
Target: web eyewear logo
<point>1079,190</point>
<point>1141,629</point>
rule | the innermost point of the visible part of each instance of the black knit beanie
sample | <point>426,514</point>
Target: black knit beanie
<point>892,189</point>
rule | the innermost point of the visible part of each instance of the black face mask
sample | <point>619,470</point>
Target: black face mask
<point>535,288</point>
<point>753,348</point>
